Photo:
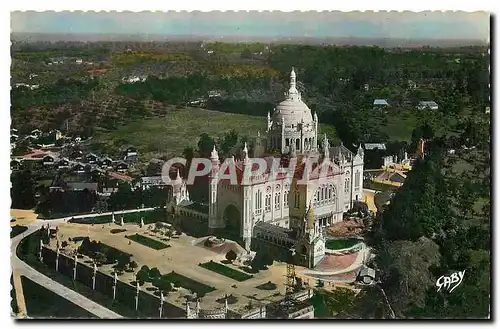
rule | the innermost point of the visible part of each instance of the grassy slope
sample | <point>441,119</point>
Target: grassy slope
<point>182,127</point>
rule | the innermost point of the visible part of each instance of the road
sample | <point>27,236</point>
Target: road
<point>20,268</point>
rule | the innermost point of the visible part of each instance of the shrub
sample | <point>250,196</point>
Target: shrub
<point>117,230</point>
<point>231,256</point>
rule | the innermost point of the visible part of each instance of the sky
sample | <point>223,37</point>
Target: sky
<point>406,25</point>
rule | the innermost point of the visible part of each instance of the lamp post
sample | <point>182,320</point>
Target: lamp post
<point>40,257</point>
<point>93,277</point>
<point>114,286</point>
<point>74,269</point>
<point>57,260</point>
<point>137,296</point>
<point>161,302</point>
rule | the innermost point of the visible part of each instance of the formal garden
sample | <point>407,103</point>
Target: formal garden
<point>226,271</point>
<point>337,244</point>
<point>148,242</point>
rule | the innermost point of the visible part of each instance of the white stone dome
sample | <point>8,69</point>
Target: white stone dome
<point>292,111</point>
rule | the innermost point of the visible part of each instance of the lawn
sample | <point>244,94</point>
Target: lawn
<point>181,281</point>
<point>400,127</point>
<point>181,128</point>
<point>226,271</point>
<point>341,244</point>
<point>155,244</point>
<point>16,230</point>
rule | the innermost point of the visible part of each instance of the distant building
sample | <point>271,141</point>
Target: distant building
<point>62,163</point>
<point>380,103</point>
<point>106,162</point>
<point>412,84</point>
<point>431,105</point>
<point>36,133</point>
<point>49,159</point>
<point>374,146</point>
<point>121,166</point>
<point>91,158</point>
<point>366,275</point>
<point>78,168</point>
<point>147,182</point>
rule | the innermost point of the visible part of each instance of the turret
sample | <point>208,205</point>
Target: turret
<point>361,152</point>
<point>310,222</point>
<point>214,155</point>
<point>326,148</point>
<point>212,189</point>
<point>246,159</point>
<point>269,122</point>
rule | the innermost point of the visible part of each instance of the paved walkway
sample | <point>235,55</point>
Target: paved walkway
<point>20,268</point>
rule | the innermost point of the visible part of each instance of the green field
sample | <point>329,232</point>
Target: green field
<point>181,128</point>
<point>144,240</point>
<point>226,271</point>
<point>400,127</point>
<point>16,230</point>
<point>179,280</point>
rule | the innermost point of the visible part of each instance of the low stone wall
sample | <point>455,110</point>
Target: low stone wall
<point>351,250</point>
<point>346,251</point>
<point>148,305</point>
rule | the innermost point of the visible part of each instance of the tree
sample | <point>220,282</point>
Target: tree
<point>231,255</point>
<point>143,275</point>
<point>163,284</point>
<point>246,53</point>
<point>154,273</point>
<point>100,258</point>
<point>23,190</point>
<point>133,265</point>
<point>205,144</point>
<point>406,272</point>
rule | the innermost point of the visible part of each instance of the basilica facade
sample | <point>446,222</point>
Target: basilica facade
<point>272,203</point>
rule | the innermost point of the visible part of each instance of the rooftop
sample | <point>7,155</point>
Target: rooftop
<point>380,102</point>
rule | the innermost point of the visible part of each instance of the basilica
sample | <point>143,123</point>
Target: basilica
<point>275,212</point>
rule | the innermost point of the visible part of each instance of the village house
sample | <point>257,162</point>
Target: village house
<point>106,162</point>
<point>431,105</point>
<point>91,158</point>
<point>379,103</point>
<point>121,166</point>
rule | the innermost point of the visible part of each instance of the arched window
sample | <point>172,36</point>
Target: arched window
<point>277,201</point>
<point>346,187</point>
<point>297,144</point>
<point>258,202</point>
<point>268,203</point>
<point>330,193</point>
<point>285,196</point>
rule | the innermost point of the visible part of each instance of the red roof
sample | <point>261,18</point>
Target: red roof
<point>119,176</point>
